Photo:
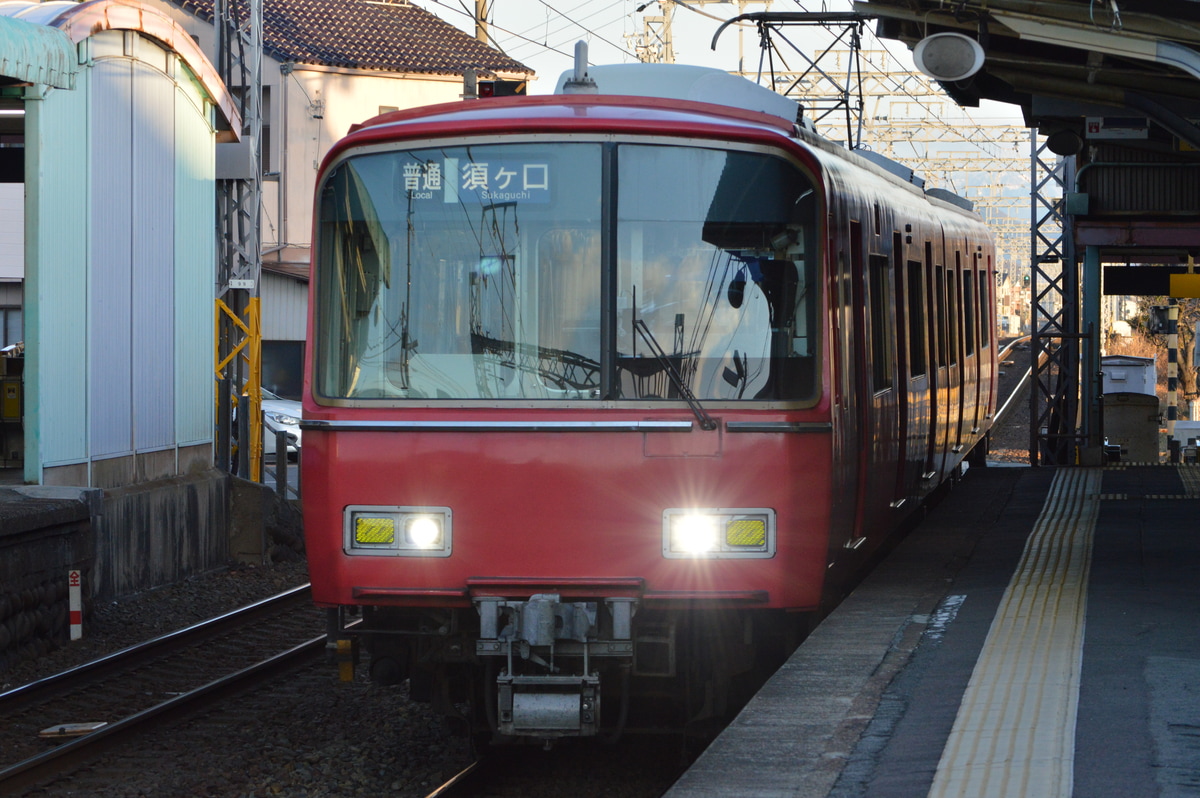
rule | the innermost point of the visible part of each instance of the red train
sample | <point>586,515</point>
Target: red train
<point>609,391</point>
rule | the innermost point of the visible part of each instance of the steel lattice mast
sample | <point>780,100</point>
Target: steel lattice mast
<point>238,28</point>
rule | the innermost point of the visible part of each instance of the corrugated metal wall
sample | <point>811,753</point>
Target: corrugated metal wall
<point>285,316</point>
<point>153,258</point>
<point>125,259</point>
<point>1124,180</point>
<point>110,272</point>
<point>56,317</point>
<point>195,267</point>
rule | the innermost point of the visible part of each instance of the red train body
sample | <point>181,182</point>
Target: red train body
<point>606,395</point>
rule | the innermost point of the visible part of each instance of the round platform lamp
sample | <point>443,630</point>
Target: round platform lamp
<point>948,56</point>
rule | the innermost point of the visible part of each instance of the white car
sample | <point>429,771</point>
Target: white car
<point>280,414</point>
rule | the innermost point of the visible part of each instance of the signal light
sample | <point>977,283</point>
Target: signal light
<point>500,88</point>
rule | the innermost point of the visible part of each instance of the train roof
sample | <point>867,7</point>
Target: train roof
<point>644,99</point>
<point>687,82</point>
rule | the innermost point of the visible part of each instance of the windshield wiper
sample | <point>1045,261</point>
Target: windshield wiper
<point>707,422</point>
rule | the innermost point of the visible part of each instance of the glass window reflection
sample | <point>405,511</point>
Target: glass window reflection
<point>475,273</point>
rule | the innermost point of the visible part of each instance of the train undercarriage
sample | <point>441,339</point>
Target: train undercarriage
<point>544,668</point>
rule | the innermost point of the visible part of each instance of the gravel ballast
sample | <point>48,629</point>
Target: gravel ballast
<point>316,736</point>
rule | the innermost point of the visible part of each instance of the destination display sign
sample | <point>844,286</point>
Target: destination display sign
<point>454,180</point>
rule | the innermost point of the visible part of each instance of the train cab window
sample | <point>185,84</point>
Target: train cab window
<point>461,273</point>
<point>716,269</point>
<point>477,272</point>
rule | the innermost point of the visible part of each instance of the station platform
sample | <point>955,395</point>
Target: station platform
<point>1036,636</point>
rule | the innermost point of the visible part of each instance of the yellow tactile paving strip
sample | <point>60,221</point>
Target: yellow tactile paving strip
<point>1190,475</point>
<point>1015,730</point>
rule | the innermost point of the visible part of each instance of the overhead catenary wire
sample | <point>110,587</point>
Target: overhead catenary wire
<point>931,112</point>
<point>570,24</point>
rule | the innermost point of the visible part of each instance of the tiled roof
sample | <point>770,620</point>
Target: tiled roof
<point>389,35</point>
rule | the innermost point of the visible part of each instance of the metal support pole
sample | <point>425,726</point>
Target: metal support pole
<point>1091,384</point>
<point>281,464</point>
<point>1172,377</point>
<point>1054,313</point>
<point>243,435</point>
<point>224,428</point>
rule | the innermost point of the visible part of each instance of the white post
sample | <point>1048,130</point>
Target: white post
<point>75,597</point>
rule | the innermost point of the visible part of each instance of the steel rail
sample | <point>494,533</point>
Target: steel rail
<point>467,778</point>
<point>118,660</point>
<point>1010,402</point>
<point>37,769</point>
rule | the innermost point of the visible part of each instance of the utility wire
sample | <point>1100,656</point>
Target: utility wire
<point>525,39</point>
<point>902,89</point>
<point>579,24</point>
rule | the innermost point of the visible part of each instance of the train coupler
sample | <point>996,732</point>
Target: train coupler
<point>548,706</point>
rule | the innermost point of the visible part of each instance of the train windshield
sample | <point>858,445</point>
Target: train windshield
<point>567,271</point>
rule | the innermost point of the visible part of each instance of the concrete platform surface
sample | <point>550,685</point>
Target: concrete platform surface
<point>1037,636</point>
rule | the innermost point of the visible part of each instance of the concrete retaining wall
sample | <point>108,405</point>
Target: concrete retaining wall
<point>44,534</point>
<point>123,541</point>
<point>157,533</point>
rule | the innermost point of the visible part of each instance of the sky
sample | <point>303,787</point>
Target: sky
<point>542,33</point>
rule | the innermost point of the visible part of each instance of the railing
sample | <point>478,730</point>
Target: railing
<point>281,470</point>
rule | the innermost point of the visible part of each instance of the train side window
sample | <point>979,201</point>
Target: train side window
<point>969,326</point>
<point>985,317</point>
<point>939,319</point>
<point>880,322</point>
<point>917,323</point>
<point>952,313</point>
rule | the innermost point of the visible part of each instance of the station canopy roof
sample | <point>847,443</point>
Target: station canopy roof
<point>32,53</point>
<point>1066,58</point>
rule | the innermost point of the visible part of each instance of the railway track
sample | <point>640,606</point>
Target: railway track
<point>643,766</point>
<point>96,707</point>
<point>1012,384</point>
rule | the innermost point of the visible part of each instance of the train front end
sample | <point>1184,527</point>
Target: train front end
<point>567,433</point>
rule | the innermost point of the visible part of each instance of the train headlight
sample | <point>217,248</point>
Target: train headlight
<point>719,533</point>
<point>423,531</point>
<point>694,533</point>
<point>397,531</point>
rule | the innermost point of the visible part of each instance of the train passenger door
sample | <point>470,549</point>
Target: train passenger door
<point>939,389</point>
<point>916,347</point>
<point>845,363</point>
<point>987,323</point>
<point>971,357</point>
<point>886,398</point>
<point>860,385</point>
<point>900,488</point>
<point>959,367</point>
<point>953,352</point>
